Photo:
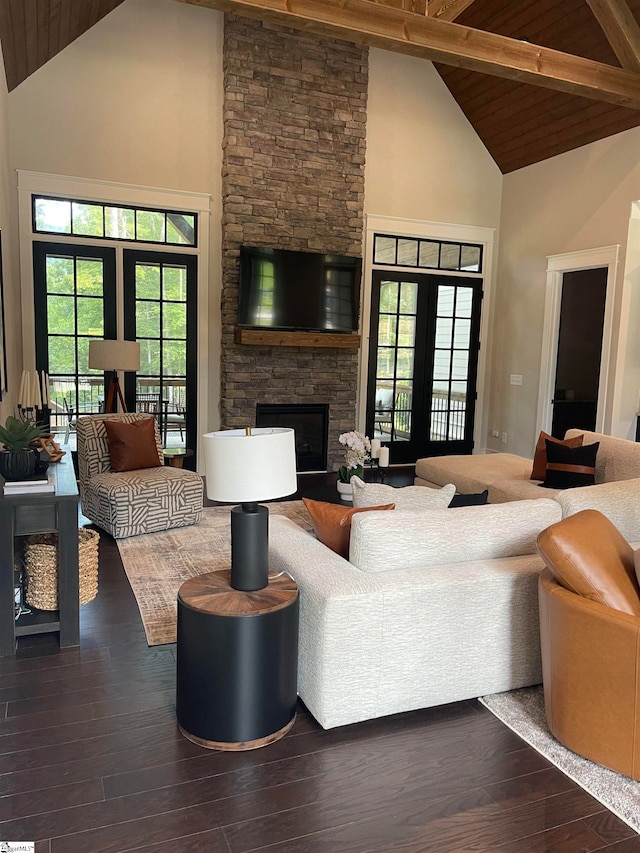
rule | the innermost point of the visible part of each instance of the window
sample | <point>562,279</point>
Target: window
<point>112,222</point>
<point>75,302</point>
<point>426,254</point>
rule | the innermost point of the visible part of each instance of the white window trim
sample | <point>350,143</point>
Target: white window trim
<point>397,227</point>
<point>66,186</point>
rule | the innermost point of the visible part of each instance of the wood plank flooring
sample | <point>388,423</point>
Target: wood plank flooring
<point>91,762</point>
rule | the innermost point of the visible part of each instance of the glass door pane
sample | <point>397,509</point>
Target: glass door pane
<point>160,292</point>
<point>451,363</point>
<point>395,358</point>
<point>74,303</point>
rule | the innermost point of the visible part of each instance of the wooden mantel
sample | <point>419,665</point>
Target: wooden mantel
<point>273,338</point>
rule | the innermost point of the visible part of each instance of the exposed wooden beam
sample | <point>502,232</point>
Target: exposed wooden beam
<point>364,22</point>
<point>447,10</point>
<point>621,29</point>
<point>417,6</point>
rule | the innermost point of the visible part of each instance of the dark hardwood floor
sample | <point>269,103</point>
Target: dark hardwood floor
<point>91,760</point>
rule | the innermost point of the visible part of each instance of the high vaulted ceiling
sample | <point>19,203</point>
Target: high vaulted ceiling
<point>535,79</point>
<point>33,31</point>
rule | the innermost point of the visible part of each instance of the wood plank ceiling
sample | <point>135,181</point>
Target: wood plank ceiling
<point>553,45</point>
<point>33,31</point>
<point>522,124</point>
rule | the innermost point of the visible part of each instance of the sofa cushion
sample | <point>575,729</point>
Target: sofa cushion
<point>405,498</point>
<point>132,446</point>
<point>618,501</point>
<point>540,455</point>
<point>618,458</point>
<point>387,541</point>
<point>587,555</point>
<point>332,523</point>
<point>518,490</point>
<point>570,467</point>
<point>473,473</point>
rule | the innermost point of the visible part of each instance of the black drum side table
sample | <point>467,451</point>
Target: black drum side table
<point>237,655</point>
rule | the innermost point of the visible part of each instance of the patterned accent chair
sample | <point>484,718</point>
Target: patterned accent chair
<point>132,502</point>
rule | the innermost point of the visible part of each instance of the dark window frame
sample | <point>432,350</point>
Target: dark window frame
<point>41,250</point>
<point>167,213</point>
<point>166,258</point>
<point>461,244</point>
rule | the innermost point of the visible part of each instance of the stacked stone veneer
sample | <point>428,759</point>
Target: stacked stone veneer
<point>293,178</point>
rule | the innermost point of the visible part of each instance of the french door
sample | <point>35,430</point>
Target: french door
<point>75,302</point>
<point>160,313</point>
<point>423,361</point>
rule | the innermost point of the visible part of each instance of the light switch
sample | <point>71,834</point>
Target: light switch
<point>516,379</point>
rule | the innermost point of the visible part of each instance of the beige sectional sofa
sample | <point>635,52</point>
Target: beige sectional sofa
<point>431,607</point>
<point>437,605</point>
<point>507,477</point>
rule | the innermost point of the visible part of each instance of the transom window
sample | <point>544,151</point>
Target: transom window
<point>93,219</point>
<point>426,254</point>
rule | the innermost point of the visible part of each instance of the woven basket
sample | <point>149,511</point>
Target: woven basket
<point>41,566</point>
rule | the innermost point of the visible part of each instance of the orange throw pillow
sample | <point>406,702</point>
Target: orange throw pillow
<point>540,457</point>
<point>132,446</point>
<point>332,523</point>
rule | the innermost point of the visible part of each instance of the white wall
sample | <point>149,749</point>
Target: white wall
<point>425,163</point>
<point>137,99</point>
<point>579,200</point>
<point>424,160</point>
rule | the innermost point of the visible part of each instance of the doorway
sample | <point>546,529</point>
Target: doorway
<point>575,397</point>
<point>585,282</point>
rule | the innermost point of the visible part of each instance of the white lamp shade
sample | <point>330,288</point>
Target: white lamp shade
<point>241,468</point>
<point>114,355</point>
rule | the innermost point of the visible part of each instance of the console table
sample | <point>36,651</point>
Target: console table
<point>22,515</point>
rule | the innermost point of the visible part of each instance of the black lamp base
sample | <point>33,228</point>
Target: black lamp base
<point>249,547</point>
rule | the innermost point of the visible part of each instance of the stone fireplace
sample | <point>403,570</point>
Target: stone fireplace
<point>293,178</point>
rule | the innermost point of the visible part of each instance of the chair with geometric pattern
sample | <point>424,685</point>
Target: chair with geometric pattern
<point>129,503</point>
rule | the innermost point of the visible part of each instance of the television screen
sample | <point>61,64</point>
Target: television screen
<point>302,291</point>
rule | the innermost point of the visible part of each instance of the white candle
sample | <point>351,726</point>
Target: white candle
<point>21,394</point>
<point>375,448</point>
<point>44,389</point>
<point>383,457</point>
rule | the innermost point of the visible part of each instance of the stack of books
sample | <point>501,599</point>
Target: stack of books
<point>38,484</point>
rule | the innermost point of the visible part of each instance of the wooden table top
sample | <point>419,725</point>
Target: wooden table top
<point>212,593</point>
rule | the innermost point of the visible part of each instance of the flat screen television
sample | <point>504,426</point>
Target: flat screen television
<point>298,291</point>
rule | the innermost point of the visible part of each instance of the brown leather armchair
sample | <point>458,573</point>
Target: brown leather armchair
<point>590,637</point>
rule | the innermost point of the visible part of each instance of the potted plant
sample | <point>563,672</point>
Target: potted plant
<point>356,449</point>
<point>18,461</point>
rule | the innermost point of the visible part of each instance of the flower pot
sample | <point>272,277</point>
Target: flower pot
<point>18,464</point>
<point>345,490</point>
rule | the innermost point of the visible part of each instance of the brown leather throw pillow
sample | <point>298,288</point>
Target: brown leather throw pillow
<point>332,523</point>
<point>540,456</point>
<point>132,446</point>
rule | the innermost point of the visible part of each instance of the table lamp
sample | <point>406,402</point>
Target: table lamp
<point>114,356</point>
<point>247,466</point>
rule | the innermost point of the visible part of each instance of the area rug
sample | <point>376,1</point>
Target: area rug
<point>158,563</point>
<point>523,712</point>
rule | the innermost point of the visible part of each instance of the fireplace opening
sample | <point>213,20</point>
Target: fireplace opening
<point>311,424</point>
